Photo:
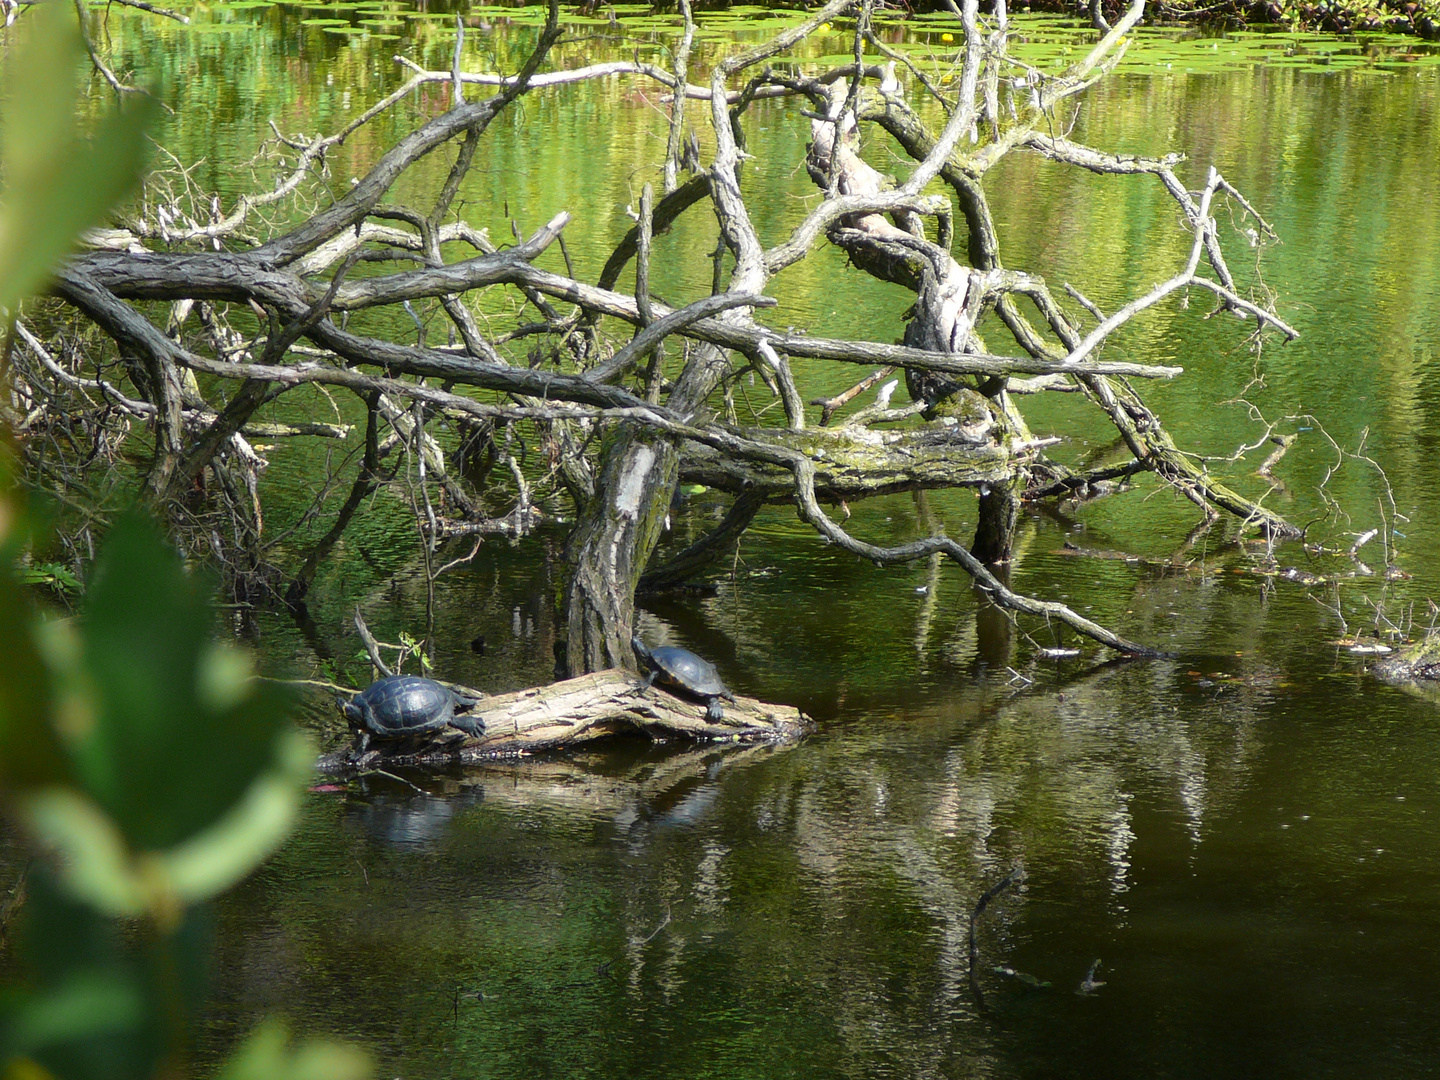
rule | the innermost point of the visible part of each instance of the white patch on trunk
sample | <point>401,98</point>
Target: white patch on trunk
<point>632,484</point>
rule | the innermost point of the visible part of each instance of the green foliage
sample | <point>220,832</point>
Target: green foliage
<point>30,751</point>
<point>56,182</point>
<point>170,699</point>
<point>1396,16</point>
<point>52,575</point>
<point>410,646</point>
<point>268,1053</point>
<point>158,772</point>
<point>94,1009</point>
<point>143,760</point>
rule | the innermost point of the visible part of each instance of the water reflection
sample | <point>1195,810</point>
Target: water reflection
<point>1243,830</point>
<point>397,815</point>
<point>1224,845</point>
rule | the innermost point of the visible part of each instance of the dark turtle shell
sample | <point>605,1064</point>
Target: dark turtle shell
<point>681,669</point>
<point>399,705</point>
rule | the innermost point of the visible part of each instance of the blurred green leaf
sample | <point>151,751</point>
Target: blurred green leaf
<point>225,677</point>
<point>56,184</point>
<point>214,860</point>
<point>90,1011</point>
<point>188,775</point>
<point>88,1003</point>
<point>142,756</point>
<point>59,936</point>
<point>160,759</point>
<point>268,1055</point>
<point>94,860</point>
<point>26,1069</point>
<point>98,867</point>
<point>30,753</point>
<point>177,967</point>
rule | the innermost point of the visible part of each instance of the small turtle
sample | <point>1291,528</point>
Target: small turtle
<point>680,669</point>
<point>401,705</point>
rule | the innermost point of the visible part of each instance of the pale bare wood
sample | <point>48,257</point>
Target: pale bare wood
<point>581,710</point>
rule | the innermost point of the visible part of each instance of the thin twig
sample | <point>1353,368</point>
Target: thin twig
<point>372,647</point>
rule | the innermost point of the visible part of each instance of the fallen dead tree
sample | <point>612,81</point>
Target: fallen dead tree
<point>617,396</point>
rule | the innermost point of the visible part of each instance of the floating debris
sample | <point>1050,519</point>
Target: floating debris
<point>1362,646</point>
<point>1021,977</point>
<point>1089,984</point>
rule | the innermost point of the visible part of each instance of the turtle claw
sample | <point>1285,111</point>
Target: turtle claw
<point>715,714</point>
<point>362,758</point>
<point>471,725</point>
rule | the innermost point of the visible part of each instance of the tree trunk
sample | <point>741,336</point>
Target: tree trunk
<point>611,544</point>
<point>999,512</point>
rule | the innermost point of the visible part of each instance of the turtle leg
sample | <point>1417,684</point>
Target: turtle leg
<point>715,713</point>
<point>471,725</point>
<point>362,741</point>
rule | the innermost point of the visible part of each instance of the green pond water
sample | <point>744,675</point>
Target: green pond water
<point>1246,837</point>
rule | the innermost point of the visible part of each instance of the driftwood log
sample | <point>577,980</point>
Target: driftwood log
<point>596,706</point>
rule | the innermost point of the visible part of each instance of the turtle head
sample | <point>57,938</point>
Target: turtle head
<point>642,651</point>
<point>353,712</point>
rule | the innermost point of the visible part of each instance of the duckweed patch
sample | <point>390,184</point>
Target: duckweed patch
<point>932,41</point>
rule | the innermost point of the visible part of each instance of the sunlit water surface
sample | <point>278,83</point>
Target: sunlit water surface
<point>1231,857</point>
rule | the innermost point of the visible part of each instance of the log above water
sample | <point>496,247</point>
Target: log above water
<point>860,463</point>
<point>596,706</point>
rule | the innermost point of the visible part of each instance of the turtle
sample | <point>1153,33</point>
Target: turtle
<point>401,705</point>
<point>680,669</point>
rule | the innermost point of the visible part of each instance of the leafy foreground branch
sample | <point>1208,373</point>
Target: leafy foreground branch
<point>99,727</point>
<point>620,423</point>
<point>99,731</point>
<point>103,719</point>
